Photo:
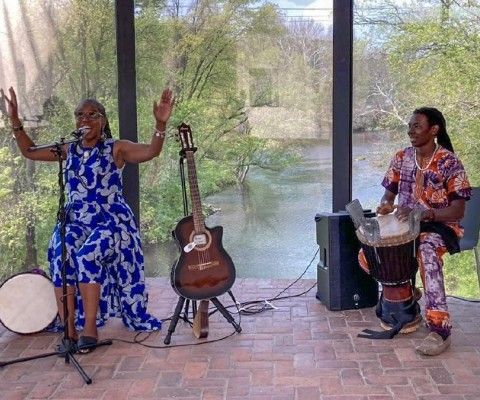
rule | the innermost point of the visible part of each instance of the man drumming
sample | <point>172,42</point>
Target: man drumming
<point>430,176</point>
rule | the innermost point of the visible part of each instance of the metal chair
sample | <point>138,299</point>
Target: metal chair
<point>471,224</point>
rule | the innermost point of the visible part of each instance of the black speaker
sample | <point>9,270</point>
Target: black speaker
<point>341,283</point>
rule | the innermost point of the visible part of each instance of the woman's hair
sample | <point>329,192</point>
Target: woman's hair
<point>106,129</point>
<point>435,117</point>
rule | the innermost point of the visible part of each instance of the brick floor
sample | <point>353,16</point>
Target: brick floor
<point>299,350</point>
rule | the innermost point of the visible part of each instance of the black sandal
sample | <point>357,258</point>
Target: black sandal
<point>86,344</point>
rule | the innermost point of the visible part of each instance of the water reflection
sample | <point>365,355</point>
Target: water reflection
<point>269,228</point>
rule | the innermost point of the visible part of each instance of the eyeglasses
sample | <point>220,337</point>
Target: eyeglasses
<point>88,116</point>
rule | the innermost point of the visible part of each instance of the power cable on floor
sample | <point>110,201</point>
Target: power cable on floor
<point>247,308</point>
<point>244,308</point>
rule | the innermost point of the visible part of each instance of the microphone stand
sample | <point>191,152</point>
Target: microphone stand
<point>69,347</point>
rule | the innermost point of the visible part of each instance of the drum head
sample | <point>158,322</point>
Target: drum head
<point>390,226</point>
<point>27,303</point>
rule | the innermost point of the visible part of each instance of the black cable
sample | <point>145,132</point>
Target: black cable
<point>265,303</point>
<point>151,346</point>
<point>247,308</point>
<point>241,310</point>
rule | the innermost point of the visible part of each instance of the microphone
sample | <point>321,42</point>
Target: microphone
<point>78,133</point>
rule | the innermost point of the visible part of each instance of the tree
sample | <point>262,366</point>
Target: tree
<point>195,50</point>
<point>432,51</point>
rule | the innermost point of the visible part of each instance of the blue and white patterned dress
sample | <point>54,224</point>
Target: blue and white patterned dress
<point>102,240</point>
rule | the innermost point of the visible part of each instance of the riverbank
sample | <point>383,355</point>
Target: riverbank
<point>269,227</point>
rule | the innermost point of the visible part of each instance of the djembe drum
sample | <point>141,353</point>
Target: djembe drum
<point>390,246</point>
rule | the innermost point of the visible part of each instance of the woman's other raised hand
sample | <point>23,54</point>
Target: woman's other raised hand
<point>163,109</point>
<point>11,106</point>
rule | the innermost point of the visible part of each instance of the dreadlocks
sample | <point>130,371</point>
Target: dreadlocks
<point>435,117</point>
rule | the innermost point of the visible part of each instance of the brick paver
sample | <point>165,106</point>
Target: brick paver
<point>297,351</point>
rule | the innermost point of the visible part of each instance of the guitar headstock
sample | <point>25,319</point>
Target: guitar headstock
<point>185,137</point>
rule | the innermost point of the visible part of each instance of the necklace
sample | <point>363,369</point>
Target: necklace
<point>431,159</point>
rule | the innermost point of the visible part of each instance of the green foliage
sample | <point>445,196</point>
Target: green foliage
<point>461,276</point>
<point>6,180</point>
<point>437,64</point>
<point>210,55</point>
<point>432,60</point>
<point>196,52</point>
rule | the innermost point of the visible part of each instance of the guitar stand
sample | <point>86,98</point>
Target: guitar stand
<point>225,312</point>
<point>178,310</point>
<point>184,301</point>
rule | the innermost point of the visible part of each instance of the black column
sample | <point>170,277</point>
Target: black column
<point>342,103</point>
<point>127,95</point>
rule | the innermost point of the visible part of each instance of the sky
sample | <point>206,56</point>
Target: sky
<point>318,10</point>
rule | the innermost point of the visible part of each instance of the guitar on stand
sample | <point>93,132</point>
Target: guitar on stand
<point>204,270</point>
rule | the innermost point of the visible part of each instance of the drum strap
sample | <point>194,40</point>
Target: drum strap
<point>400,317</point>
<point>369,334</point>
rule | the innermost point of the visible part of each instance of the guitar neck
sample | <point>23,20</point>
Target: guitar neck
<point>198,218</point>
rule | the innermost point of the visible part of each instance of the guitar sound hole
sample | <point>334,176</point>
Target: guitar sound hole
<point>200,240</point>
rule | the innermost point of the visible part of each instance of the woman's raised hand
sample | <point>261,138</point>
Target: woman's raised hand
<point>164,108</point>
<point>11,105</point>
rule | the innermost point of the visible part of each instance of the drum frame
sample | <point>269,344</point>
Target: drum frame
<point>43,275</point>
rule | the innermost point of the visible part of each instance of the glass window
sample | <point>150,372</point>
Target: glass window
<point>419,53</point>
<point>254,84</point>
<point>54,53</point>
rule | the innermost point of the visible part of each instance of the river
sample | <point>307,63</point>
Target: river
<point>269,226</point>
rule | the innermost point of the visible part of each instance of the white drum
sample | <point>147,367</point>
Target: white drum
<point>392,231</point>
<point>390,226</point>
<point>27,303</point>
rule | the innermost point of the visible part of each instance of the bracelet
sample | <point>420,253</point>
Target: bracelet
<point>160,134</point>
<point>17,128</point>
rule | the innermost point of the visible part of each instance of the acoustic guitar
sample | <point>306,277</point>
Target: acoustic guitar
<point>204,269</point>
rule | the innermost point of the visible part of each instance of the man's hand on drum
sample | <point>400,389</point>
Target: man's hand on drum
<point>402,213</point>
<point>385,207</point>
<point>386,204</point>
